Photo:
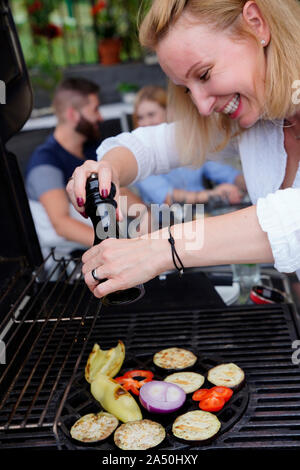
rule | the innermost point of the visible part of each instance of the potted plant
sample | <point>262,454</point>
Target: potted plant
<point>105,15</point>
<point>127,91</point>
<point>39,17</point>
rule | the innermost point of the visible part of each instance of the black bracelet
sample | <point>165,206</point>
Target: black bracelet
<point>175,254</point>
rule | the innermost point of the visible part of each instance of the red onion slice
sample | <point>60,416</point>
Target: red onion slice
<point>161,397</point>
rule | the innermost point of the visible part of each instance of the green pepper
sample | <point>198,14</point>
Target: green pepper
<point>115,399</point>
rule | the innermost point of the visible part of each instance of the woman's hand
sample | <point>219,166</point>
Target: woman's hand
<point>124,263</point>
<point>76,185</point>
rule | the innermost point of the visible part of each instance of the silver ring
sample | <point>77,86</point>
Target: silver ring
<point>95,275</point>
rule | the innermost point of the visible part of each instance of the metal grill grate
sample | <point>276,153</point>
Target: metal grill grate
<point>45,332</point>
<point>257,339</point>
<point>50,326</point>
<point>80,402</point>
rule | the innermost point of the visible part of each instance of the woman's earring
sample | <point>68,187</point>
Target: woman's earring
<point>263,42</point>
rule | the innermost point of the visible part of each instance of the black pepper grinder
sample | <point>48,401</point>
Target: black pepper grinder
<point>102,212</point>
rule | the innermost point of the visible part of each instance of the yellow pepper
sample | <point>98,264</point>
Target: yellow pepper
<point>107,362</point>
<point>115,399</point>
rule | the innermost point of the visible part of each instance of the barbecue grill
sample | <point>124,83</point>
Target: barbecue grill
<point>49,322</point>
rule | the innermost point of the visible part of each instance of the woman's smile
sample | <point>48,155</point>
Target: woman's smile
<point>232,106</point>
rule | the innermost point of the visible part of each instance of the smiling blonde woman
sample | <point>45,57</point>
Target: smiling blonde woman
<point>232,65</point>
<point>275,43</point>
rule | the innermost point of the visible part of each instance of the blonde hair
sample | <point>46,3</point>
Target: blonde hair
<point>149,93</point>
<point>196,134</point>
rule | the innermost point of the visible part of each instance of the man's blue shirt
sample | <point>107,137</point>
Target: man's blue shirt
<point>50,167</point>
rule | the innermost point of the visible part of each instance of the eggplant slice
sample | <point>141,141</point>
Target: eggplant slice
<point>94,427</point>
<point>188,381</point>
<point>174,358</point>
<point>139,435</point>
<point>196,426</point>
<point>226,375</point>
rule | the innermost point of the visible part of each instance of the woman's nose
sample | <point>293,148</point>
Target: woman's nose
<point>204,102</point>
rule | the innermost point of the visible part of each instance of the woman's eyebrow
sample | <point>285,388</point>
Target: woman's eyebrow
<point>192,68</point>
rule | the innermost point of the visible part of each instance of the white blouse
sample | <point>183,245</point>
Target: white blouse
<point>263,157</point>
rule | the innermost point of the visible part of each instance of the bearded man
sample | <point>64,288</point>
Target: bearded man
<point>75,138</point>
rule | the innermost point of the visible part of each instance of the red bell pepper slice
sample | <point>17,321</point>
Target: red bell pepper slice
<point>129,382</point>
<point>146,374</point>
<point>222,392</point>
<point>212,399</point>
<point>201,394</point>
<point>212,403</point>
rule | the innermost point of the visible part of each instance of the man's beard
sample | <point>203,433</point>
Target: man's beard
<point>91,131</point>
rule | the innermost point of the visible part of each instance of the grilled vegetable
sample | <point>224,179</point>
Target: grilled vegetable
<point>212,403</point>
<point>227,375</point>
<point>212,399</point>
<point>94,427</point>
<point>188,381</point>
<point>146,375</point>
<point>196,426</point>
<point>129,384</point>
<point>174,358</point>
<point>115,399</point>
<point>139,435</point>
<point>132,384</point>
<point>106,362</point>
<point>200,394</point>
<point>223,392</point>
<point>161,397</point>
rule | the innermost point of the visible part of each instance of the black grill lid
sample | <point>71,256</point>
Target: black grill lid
<point>13,73</point>
<point>18,236</point>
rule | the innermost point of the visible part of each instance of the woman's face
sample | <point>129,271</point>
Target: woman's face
<point>150,113</point>
<point>221,74</point>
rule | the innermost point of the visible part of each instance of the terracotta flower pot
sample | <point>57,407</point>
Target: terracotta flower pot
<point>109,51</point>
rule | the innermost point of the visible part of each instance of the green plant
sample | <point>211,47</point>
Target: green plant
<point>45,76</point>
<point>115,18</point>
<point>40,61</point>
<point>126,87</point>
<point>39,12</point>
<point>106,17</point>
<point>131,45</point>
